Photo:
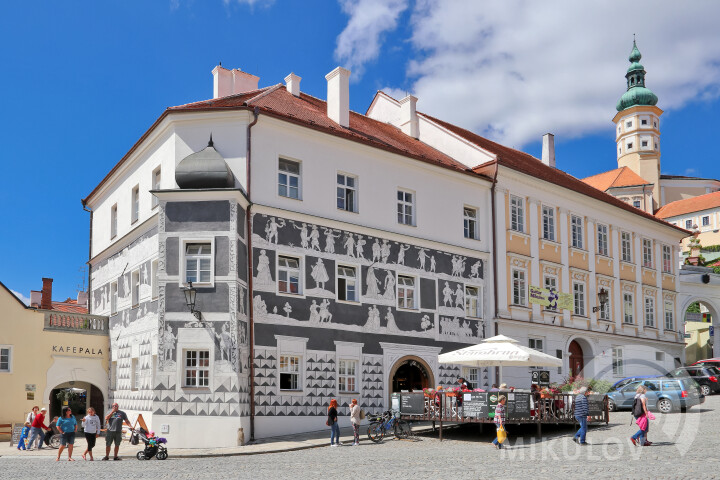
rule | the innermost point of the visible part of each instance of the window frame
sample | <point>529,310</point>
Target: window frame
<point>156,181</point>
<point>356,279</point>
<point>345,188</point>
<point>603,241</point>
<point>289,176</point>
<point>403,204</point>
<point>517,213</point>
<point>631,310</point>
<point>688,224</point>
<point>183,260</point>
<point>667,258</point>
<point>579,307</point>
<point>198,368</point>
<point>533,343</point>
<point>518,293</point>
<point>649,315</point>
<point>647,253</point>
<point>548,223</point>
<point>342,378</point>
<point>472,375</point>
<point>626,253</point>
<point>415,290</point>
<point>297,372</point>
<point>479,300</point>
<point>702,221</point>
<point>577,232</point>
<point>669,314</point>
<point>470,223</point>
<point>9,361</point>
<point>300,274</point>
<point>135,204</point>
<point>618,364</point>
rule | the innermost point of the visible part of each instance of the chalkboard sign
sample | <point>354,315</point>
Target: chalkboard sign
<point>541,377</point>
<point>596,405</point>
<point>16,432</point>
<point>395,402</point>
<point>475,404</point>
<point>518,405</point>
<point>412,404</point>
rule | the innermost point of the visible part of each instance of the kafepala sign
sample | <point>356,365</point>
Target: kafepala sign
<point>77,350</point>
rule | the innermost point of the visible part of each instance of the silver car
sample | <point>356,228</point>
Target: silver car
<point>664,394</point>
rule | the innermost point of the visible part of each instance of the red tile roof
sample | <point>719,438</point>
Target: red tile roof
<point>69,306</point>
<point>620,177</point>
<point>690,205</point>
<point>529,165</point>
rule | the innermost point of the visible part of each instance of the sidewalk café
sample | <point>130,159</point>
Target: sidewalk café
<point>453,405</point>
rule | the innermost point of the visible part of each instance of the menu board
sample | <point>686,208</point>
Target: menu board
<point>395,402</point>
<point>518,405</point>
<point>16,432</point>
<point>541,377</point>
<point>475,404</point>
<point>596,405</point>
<point>412,404</point>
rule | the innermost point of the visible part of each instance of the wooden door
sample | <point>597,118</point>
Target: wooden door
<point>577,363</point>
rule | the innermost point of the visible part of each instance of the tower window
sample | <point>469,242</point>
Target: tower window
<point>628,124</point>
<point>644,143</point>
<point>643,122</point>
<point>629,145</point>
<point>632,81</point>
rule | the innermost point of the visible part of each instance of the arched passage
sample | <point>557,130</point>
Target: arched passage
<point>698,315</point>
<point>580,355</point>
<point>79,396</point>
<point>410,373</point>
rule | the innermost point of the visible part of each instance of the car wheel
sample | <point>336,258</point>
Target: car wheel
<point>665,405</point>
<point>705,390</point>
<point>611,406</point>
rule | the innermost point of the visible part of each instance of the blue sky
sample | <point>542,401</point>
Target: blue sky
<point>83,80</point>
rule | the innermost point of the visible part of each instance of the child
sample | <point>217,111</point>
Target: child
<point>22,443</point>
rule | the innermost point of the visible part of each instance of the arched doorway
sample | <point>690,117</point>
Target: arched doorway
<point>410,374</point>
<point>577,362</point>
<point>79,396</point>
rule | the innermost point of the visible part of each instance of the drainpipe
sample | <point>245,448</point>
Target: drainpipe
<point>248,241</point>
<point>89,300</point>
<point>494,252</point>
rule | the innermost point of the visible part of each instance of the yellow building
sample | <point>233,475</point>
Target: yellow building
<point>47,350</point>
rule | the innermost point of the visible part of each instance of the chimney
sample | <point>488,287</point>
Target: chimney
<point>548,150</point>
<point>46,296</point>
<point>338,96</point>
<point>408,116</point>
<point>292,82</point>
<point>82,299</point>
<point>229,82</point>
<point>35,298</point>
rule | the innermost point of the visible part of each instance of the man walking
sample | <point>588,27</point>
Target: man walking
<point>114,420</point>
<point>581,415</point>
<point>36,429</point>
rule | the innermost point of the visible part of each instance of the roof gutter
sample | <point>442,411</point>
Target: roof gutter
<point>248,242</point>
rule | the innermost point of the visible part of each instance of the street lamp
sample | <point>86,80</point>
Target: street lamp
<point>190,293</point>
<point>602,298</point>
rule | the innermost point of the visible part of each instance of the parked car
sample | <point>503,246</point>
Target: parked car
<point>626,380</point>
<point>663,394</point>
<point>707,377</point>
<point>708,362</point>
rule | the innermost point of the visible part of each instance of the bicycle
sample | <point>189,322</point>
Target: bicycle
<point>381,424</point>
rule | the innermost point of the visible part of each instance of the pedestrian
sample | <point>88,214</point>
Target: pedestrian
<point>36,429</point>
<point>355,421</point>
<point>52,431</point>
<point>31,416</point>
<point>499,420</point>
<point>114,420</point>
<point>332,422</point>
<point>642,417</point>
<point>91,425</point>
<point>464,384</point>
<point>582,410</point>
<point>67,426</point>
<point>23,440</point>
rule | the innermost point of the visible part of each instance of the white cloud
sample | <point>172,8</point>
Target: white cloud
<point>516,69</point>
<point>361,39</point>
<point>22,297</point>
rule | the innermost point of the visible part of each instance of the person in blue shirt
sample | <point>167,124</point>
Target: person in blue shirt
<point>22,442</point>
<point>67,424</point>
<point>582,410</point>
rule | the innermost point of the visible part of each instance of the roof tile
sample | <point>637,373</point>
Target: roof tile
<point>689,205</point>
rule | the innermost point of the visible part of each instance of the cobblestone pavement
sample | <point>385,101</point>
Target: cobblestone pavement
<point>685,446</point>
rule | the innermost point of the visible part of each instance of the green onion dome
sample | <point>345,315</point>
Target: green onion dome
<point>637,93</point>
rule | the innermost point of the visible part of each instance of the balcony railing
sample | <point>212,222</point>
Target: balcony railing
<point>76,323</point>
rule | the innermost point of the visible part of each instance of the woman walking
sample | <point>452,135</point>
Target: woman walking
<point>642,417</point>
<point>332,422</point>
<point>67,426</point>
<point>91,425</point>
<point>499,420</point>
<point>355,420</point>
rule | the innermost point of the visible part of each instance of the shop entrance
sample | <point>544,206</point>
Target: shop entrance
<point>410,375</point>
<point>577,362</point>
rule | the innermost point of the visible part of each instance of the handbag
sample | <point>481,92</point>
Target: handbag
<point>501,434</point>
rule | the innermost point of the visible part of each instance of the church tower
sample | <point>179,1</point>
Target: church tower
<point>637,125</point>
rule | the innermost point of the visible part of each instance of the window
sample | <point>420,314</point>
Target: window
<point>535,344</point>
<point>559,354</point>
<point>659,356</point>
<point>134,374</point>
<point>289,275</point>
<point>154,278</point>
<point>669,322</point>
<point>406,207</point>
<point>135,207</point>
<point>647,253</point>
<point>628,124</point>
<point>550,283</point>
<point>548,223</point>
<point>5,359</point>
<point>602,239</point>
<point>649,312</point>
<point>198,263</point>
<point>289,179</point>
<point>618,368</point>
<point>472,375</point>
<point>519,288</point>
<point>643,122</point>
<point>347,375</point>
<point>470,223</point>
<point>706,221</point>
<point>636,203</point>
<point>626,247</point>
<point>605,308</point>
<point>629,145</point>
<point>347,284</point>
<point>576,224</point>
<point>156,185</point>
<point>579,298</point>
<point>406,292</point>
<point>346,192</point>
<point>644,143</point>
<point>289,372</point>
<point>113,221</point>
<point>135,287</point>
<point>517,214</point>
<point>473,302</point>
<point>113,298</point>
<point>197,368</point>
<point>667,258</point>
<point>628,316</point>
<point>688,224</point>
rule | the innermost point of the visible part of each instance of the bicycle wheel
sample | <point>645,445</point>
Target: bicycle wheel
<point>376,432</point>
<point>402,429</point>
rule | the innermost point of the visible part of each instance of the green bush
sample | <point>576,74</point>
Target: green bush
<point>571,384</point>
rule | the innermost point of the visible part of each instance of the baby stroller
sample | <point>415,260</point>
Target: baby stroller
<point>154,446</point>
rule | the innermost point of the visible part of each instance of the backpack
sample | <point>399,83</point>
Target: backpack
<point>637,408</point>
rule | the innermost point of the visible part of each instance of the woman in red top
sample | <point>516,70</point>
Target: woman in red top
<point>36,429</point>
